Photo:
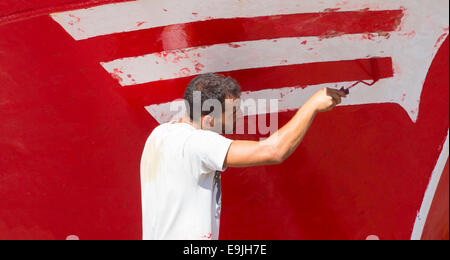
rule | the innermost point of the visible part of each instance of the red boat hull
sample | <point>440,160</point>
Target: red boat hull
<point>72,130</point>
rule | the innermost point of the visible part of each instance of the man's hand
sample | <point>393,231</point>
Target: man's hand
<point>326,99</point>
<point>282,144</point>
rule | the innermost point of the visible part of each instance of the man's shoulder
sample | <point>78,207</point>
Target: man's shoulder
<point>170,127</point>
<point>158,129</point>
<point>183,129</point>
<point>208,138</point>
<point>161,127</point>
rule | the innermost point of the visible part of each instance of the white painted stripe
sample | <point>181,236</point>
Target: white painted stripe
<point>422,215</point>
<point>289,98</point>
<point>250,54</point>
<point>145,14</point>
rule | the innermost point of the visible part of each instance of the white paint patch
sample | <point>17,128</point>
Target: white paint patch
<point>145,14</point>
<point>373,237</point>
<point>422,215</point>
<point>245,55</point>
<point>72,237</point>
<point>289,98</point>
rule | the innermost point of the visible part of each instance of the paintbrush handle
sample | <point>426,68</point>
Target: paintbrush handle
<point>347,91</point>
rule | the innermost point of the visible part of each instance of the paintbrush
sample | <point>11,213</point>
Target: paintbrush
<point>374,74</point>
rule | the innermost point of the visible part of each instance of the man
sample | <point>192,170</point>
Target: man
<point>182,161</point>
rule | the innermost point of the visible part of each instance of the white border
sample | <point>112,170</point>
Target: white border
<point>430,192</point>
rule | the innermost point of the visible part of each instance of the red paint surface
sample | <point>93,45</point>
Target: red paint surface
<point>16,10</point>
<point>437,225</point>
<point>360,171</point>
<point>136,43</point>
<point>71,140</point>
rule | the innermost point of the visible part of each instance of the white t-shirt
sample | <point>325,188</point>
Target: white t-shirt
<point>180,182</point>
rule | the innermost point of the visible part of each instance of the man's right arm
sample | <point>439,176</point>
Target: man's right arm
<point>283,143</point>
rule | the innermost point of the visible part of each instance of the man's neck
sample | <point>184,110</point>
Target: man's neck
<point>187,120</point>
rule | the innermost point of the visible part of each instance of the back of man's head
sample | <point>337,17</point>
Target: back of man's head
<point>211,86</point>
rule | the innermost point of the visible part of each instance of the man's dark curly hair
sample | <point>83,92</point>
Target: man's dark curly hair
<point>211,86</point>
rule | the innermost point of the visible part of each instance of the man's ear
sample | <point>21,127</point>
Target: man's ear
<point>208,122</point>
